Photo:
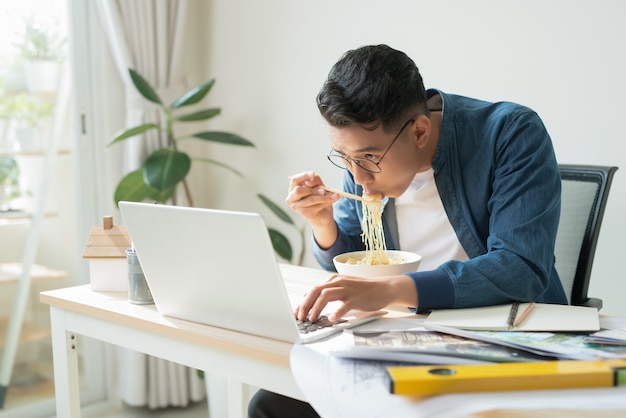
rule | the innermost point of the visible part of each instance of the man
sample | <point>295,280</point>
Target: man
<point>474,188</point>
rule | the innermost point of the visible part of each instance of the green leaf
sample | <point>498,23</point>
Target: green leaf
<point>194,95</point>
<point>223,165</point>
<point>8,169</point>
<point>224,138</point>
<point>161,197</point>
<point>144,88</point>
<point>276,209</point>
<point>165,168</point>
<point>132,188</point>
<point>281,244</point>
<point>127,133</point>
<point>201,115</point>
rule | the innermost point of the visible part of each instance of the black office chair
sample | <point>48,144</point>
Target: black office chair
<point>583,199</point>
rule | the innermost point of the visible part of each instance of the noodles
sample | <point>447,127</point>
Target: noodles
<point>373,236</point>
<point>362,261</point>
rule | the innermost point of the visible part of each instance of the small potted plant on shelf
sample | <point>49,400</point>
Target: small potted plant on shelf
<point>41,49</point>
<point>24,117</point>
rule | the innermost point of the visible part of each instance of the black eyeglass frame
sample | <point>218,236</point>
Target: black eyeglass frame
<point>349,160</point>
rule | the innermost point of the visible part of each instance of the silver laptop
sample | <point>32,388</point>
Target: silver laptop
<point>218,268</point>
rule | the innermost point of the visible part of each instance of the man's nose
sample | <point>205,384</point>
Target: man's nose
<point>360,175</point>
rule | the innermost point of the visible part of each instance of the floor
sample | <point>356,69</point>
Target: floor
<point>197,410</point>
<point>27,387</point>
<point>20,395</point>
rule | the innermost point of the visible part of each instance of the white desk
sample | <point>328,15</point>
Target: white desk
<point>245,359</point>
<point>108,316</point>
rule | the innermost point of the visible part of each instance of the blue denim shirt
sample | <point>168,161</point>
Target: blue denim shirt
<point>499,182</point>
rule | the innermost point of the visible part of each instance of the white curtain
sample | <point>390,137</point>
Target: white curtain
<point>147,35</point>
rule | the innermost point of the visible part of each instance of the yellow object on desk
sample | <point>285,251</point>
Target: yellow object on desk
<point>567,374</point>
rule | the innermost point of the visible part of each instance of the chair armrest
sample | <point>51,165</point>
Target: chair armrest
<point>593,303</point>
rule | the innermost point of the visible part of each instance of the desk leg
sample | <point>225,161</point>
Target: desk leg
<point>226,397</point>
<point>217,396</point>
<point>238,395</point>
<point>65,357</point>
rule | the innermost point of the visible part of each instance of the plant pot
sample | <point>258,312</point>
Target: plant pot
<point>28,138</point>
<point>41,75</point>
<point>15,80</point>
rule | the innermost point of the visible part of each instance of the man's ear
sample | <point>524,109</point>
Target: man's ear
<point>420,130</point>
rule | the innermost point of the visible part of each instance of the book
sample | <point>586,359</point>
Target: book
<point>538,317</point>
<point>428,347</point>
<point>433,380</point>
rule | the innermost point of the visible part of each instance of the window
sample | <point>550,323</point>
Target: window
<point>34,61</point>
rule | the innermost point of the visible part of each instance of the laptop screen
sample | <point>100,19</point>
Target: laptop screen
<point>211,266</point>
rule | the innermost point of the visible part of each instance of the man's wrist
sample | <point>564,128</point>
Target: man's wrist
<point>404,291</point>
<point>325,233</point>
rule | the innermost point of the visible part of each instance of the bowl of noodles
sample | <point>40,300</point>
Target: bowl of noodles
<point>375,260</point>
<point>386,263</point>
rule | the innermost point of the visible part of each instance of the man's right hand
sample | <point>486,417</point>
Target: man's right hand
<point>307,198</point>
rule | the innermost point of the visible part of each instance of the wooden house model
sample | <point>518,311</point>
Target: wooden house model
<point>106,251</point>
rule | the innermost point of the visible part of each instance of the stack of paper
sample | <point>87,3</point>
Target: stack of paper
<point>608,337</point>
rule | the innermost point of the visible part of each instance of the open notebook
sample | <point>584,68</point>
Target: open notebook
<point>217,268</point>
<point>542,317</point>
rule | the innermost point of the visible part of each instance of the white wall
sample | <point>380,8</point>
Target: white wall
<point>564,58</point>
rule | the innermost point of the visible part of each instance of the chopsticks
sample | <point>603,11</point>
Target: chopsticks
<point>345,194</point>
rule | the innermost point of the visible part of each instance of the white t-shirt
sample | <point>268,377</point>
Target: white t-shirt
<point>423,225</point>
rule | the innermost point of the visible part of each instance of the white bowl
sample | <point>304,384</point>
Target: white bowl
<point>410,262</point>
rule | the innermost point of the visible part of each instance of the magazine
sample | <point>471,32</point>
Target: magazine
<point>429,347</point>
<point>562,345</point>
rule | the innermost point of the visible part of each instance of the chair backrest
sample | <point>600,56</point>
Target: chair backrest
<point>585,190</point>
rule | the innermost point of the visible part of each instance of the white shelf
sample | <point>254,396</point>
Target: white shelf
<point>19,217</point>
<point>11,272</point>
<point>23,273</point>
<point>33,153</point>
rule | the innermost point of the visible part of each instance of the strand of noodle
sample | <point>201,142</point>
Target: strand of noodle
<point>373,236</point>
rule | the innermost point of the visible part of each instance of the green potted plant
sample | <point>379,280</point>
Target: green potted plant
<point>167,167</point>
<point>41,49</point>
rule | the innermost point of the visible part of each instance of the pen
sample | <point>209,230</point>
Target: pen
<point>512,315</point>
<point>520,319</point>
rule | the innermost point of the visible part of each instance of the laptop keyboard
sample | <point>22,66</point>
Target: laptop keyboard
<point>306,326</point>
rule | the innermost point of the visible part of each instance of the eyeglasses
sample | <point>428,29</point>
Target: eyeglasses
<point>368,165</point>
